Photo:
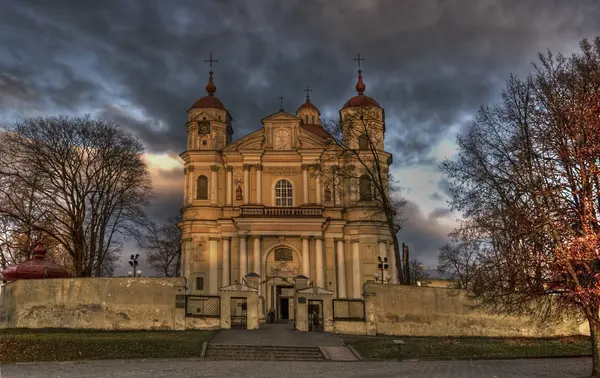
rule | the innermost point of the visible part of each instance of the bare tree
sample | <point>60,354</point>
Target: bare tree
<point>528,179</point>
<point>162,245</point>
<point>89,181</point>
<point>461,258</point>
<point>418,275</point>
<point>356,169</point>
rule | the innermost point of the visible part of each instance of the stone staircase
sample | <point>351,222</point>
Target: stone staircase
<point>263,352</point>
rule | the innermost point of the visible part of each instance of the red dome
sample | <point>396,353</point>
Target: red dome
<point>37,267</point>
<point>359,101</point>
<point>208,102</point>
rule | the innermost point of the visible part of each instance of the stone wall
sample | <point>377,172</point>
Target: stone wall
<point>93,303</point>
<point>431,311</point>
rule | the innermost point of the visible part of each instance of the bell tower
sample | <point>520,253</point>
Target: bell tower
<point>209,122</point>
<point>362,119</point>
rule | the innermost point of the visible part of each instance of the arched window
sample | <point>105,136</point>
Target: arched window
<point>283,193</point>
<point>202,188</point>
<point>284,254</point>
<point>365,188</point>
<point>313,120</point>
<point>363,142</point>
<point>306,119</point>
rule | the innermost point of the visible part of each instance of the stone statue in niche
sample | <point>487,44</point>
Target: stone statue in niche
<point>239,196</point>
<point>327,193</point>
<point>283,140</point>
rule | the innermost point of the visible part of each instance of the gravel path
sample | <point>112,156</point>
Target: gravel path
<point>180,368</point>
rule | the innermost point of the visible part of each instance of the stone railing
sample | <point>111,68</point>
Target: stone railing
<point>282,212</point>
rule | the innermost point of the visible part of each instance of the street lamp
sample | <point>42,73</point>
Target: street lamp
<point>133,261</point>
<point>382,266</point>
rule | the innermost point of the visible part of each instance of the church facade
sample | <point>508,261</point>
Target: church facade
<point>262,205</point>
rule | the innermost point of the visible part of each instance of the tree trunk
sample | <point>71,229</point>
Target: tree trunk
<point>595,336</point>
<point>399,264</point>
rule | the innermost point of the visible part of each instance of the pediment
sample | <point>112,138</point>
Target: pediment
<point>239,288</point>
<point>252,141</point>
<point>310,140</point>
<point>203,116</point>
<point>280,117</point>
<point>315,290</point>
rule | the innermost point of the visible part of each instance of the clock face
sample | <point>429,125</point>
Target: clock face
<point>203,128</point>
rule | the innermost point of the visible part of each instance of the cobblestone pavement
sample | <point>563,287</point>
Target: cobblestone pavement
<point>276,334</point>
<point>183,368</point>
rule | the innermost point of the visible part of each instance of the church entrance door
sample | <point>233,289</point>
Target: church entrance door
<point>284,302</point>
<point>285,308</point>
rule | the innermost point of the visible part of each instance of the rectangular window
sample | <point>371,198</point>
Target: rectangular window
<point>199,283</point>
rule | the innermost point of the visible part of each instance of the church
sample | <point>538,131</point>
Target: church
<point>262,205</point>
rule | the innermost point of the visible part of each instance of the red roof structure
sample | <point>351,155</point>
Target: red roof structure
<point>360,100</point>
<point>38,267</point>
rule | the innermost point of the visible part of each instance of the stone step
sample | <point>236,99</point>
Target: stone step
<point>263,352</point>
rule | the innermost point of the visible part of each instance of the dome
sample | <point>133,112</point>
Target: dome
<point>209,101</point>
<point>37,267</point>
<point>308,105</point>
<point>360,100</point>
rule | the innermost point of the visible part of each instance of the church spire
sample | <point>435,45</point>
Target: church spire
<point>211,88</point>
<point>360,86</point>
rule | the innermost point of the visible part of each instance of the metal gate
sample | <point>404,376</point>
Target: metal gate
<point>239,312</point>
<point>315,315</point>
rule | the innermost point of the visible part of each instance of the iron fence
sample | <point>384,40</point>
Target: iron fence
<point>208,306</point>
<point>348,309</point>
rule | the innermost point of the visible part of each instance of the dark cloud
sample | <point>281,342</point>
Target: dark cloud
<point>444,186</point>
<point>439,212</point>
<point>427,62</point>
<point>436,196</point>
<point>423,234</point>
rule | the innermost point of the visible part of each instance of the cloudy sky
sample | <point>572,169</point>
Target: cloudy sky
<point>429,63</point>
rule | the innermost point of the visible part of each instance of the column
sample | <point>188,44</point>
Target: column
<point>393,263</point>
<point>226,262</point>
<point>257,255</point>
<point>357,277</point>
<point>305,258</point>
<point>186,188</point>
<point>341,269</point>
<point>246,183</point>
<point>305,183</point>
<point>258,259</point>
<point>259,184</point>
<point>319,262</point>
<point>383,254</point>
<point>243,258</point>
<point>213,184</point>
<point>229,196</point>
<point>318,186</point>
<point>212,261</point>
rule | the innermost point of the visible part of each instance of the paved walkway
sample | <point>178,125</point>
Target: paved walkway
<point>276,334</point>
<point>186,368</point>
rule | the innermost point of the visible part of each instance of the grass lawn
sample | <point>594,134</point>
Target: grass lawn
<point>23,345</point>
<point>383,347</point>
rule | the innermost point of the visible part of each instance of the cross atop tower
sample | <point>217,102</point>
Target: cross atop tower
<point>358,59</point>
<point>210,61</point>
<point>307,90</point>
<point>281,103</point>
